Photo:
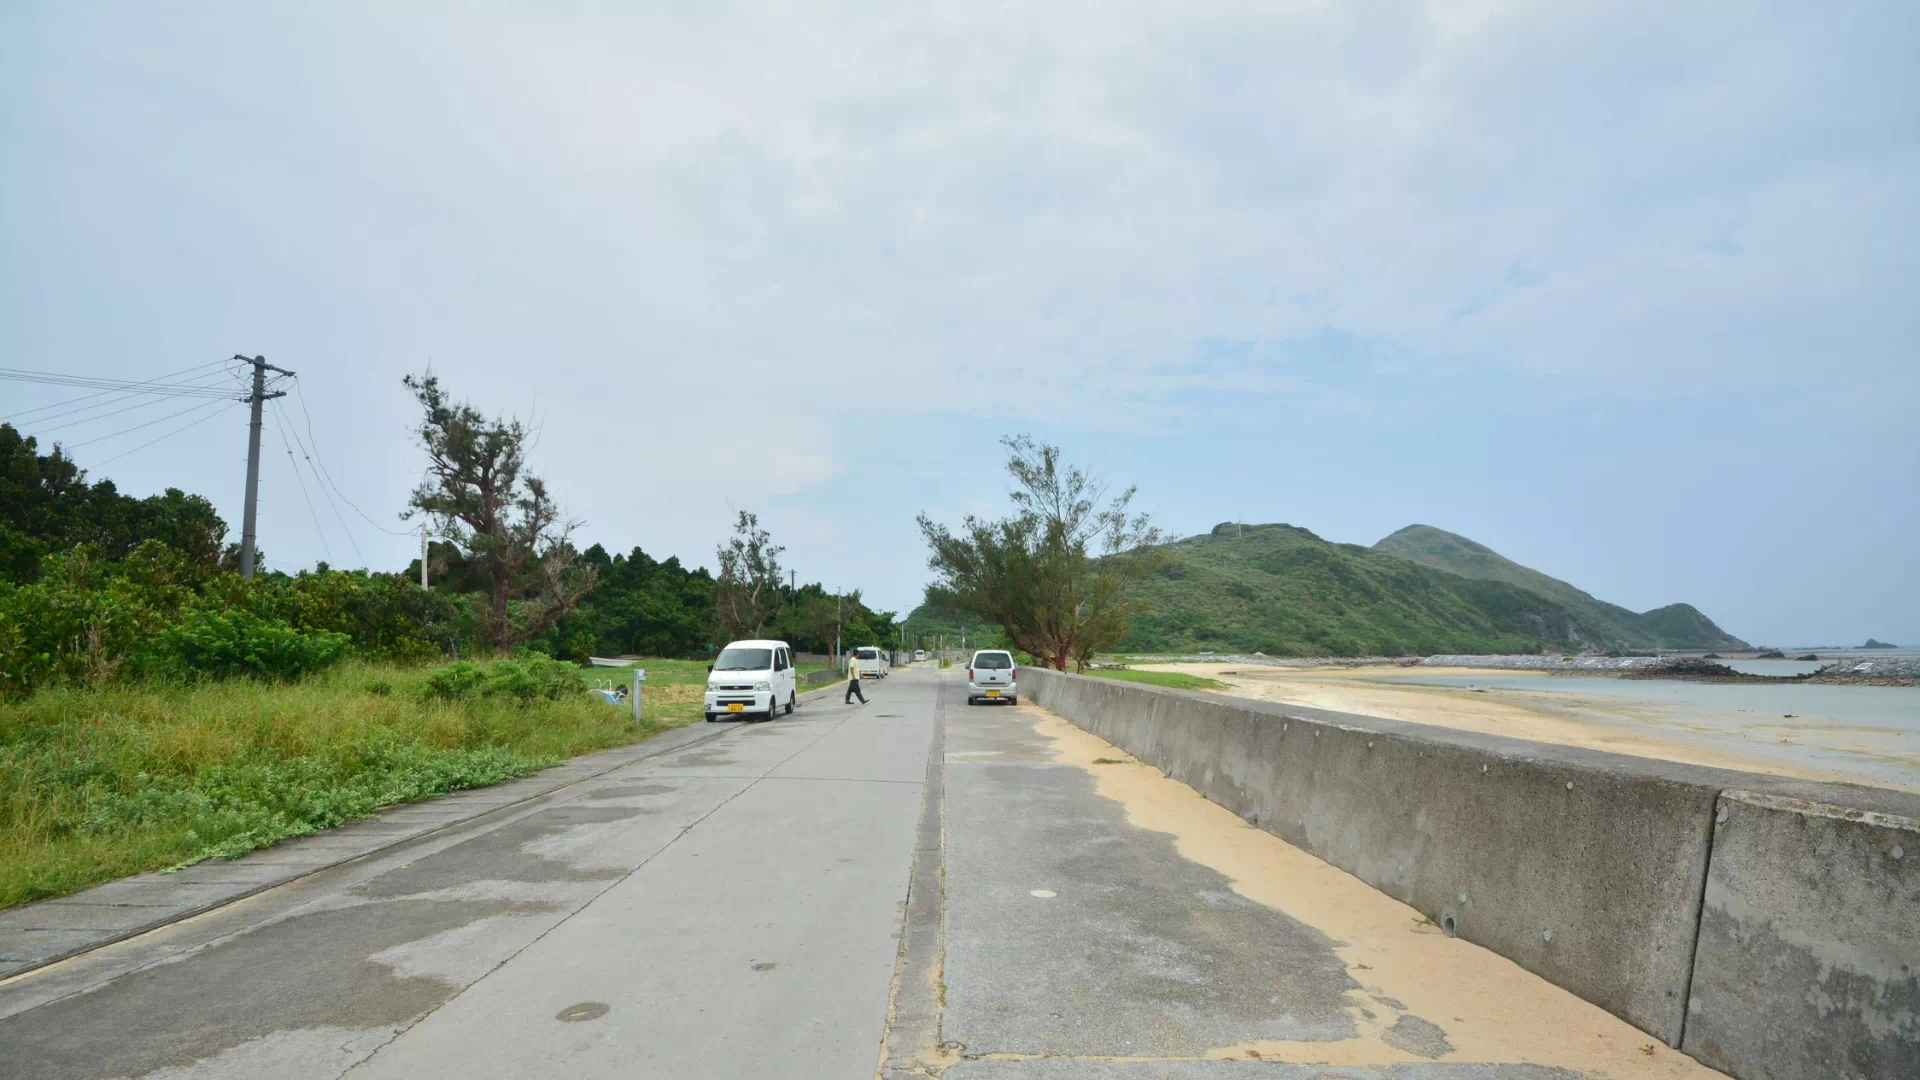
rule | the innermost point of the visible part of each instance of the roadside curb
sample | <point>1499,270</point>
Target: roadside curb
<point>46,932</point>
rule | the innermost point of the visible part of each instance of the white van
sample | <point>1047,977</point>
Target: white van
<point>751,680</point>
<point>919,656</point>
<point>872,662</point>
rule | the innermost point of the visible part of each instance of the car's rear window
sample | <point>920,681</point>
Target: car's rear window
<point>867,654</point>
<point>993,661</point>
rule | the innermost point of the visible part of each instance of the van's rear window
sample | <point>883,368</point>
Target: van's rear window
<point>993,661</point>
<point>867,654</point>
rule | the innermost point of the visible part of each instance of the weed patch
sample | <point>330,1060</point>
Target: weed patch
<point>1172,680</point>
<point>96,784</point>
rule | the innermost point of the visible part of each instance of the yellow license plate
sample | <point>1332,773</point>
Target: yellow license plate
<point>993,693</point>
<point>736,707</point>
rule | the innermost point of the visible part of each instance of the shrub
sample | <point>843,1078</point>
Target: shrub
<point>224,644</point>
<point>379,687</point>
<point>526,679</point>
<point>531,678</point>
<point>456,682</point>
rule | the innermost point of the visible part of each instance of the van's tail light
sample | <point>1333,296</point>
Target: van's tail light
<point>1013,673</point>
<point>969,674</point>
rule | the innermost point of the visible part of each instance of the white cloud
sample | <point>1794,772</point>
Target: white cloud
<point>659,219</point>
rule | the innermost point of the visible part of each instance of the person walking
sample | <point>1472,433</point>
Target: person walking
<point>853,678</point>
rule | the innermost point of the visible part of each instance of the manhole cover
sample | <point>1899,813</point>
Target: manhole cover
<point>887,716</point>
<point>586,1010</point>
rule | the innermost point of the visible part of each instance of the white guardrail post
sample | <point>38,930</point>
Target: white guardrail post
<point>639,677</point>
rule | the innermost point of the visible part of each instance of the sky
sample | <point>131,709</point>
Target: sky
<point>1626,291</point>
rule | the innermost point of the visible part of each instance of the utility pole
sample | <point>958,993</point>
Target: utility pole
<point>423,555</point>
<point>257,399</point>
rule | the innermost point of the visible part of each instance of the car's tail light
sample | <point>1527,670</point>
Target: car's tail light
<point>1013,673</point>
<point>969,674</point>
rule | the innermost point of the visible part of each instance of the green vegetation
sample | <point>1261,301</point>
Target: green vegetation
<point>1676,626</point>
<point>1058,576</point>
<point>1283,591</point>
<point>1172,680</point>
<point>99,783</point>
<point>156,708</point>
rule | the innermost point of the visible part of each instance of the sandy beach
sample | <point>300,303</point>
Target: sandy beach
<point>1805,747</point>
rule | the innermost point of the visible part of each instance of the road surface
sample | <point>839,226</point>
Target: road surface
<point>913,887</point>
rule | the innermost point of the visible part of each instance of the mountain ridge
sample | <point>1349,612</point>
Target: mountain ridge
<point>1673,626</point>
<point>1281,590</point>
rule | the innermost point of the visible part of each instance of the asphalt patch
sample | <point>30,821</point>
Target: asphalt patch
<point>628,791</point>
<point>503,855</point>
<point>308,971</point>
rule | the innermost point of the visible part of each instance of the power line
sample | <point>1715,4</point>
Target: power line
<point>113,400</point>
<point>148,424</point>
<point>322,533</point>
<point>89,408</point>
<point>331,505</point>
<point>84,397</point>
<point>168,435</point>
<point>301,394</point>
<point>90,382</point>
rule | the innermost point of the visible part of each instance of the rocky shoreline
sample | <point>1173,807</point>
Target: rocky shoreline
<point>1872,671</point>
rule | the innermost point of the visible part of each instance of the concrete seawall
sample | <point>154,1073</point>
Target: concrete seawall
<point>1695,903</point>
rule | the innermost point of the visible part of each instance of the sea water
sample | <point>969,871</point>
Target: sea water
<point>1869,734</point>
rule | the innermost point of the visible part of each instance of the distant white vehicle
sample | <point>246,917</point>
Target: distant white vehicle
<point>919,656</point>
<point>751,680</point>
<point>871,662</point>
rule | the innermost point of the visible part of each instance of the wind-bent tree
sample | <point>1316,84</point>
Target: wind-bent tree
<point>478,494</point>
<point>1059,575</point>
<point>746,593</point>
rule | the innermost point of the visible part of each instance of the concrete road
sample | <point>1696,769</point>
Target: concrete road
<point>729,910</point>
<point>911,888</point>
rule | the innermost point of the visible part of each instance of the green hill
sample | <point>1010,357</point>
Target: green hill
<point>1283,591</point>
<point>1676,626</point>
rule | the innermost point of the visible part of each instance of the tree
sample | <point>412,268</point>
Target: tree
<point>746,592</point>
<point>1060,575</point>
<point>47,506</point>
<point>479,495</point>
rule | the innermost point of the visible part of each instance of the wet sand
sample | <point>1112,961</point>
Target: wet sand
<point>1671,731</point>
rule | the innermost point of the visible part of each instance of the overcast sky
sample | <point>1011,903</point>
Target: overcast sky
<point>1626,291</point>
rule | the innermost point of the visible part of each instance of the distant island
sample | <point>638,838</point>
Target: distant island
<point>1872,644</point>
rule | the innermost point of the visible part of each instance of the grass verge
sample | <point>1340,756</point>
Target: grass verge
<point>1172,680</point>
<point>99,784</point>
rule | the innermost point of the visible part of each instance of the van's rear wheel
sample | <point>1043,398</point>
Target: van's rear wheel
<point>790,698</point>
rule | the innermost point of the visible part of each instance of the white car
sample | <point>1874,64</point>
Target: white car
<point>751,680</point>
<point>872,662</point>
<point>991,676</point>
<point>919,656</point>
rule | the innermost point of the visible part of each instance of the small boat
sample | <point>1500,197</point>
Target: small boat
<point>601,661</point>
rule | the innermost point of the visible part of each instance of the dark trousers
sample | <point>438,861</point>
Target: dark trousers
<point>853,691</point>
